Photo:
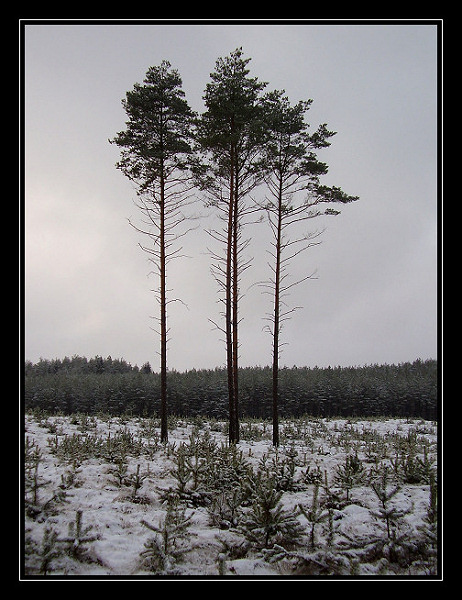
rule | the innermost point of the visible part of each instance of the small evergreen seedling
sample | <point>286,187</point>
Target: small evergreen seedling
<point>197,467</point>
<point>268,522</point>
<point>32,456</point>
<point>429,527</point>
<point>224,510</point>
<point>389,513</point>
<point>314,514</point>
<point>350,474</point>
<point>163,549</point>
<point>136,481</point>
<point>119,472</point>
<point>48,550</point>
<point>33,482</point>
<point>78,536</point>
<point>330,500</point>
<point>181,472</point>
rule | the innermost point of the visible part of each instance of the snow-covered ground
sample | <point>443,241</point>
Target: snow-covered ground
<point>351,534</point>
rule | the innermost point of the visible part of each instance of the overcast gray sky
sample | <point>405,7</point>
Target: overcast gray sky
<point>87,283</point>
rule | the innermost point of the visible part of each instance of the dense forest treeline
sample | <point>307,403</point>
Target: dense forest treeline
<point>114,386</point>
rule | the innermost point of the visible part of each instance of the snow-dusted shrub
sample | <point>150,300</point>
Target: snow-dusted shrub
<point>315,514</point>
<point>268,522</point>
<point>164,548</point>
<point>77,537</point>
<point>350,473</point>
<point>225,508</point>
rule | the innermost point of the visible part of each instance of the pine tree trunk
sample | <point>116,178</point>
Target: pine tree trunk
<point>276,326</point>
<point>163,318</point>
<point>235,314</point>
<point>228,310</point>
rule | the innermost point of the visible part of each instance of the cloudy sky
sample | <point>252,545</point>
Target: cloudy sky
<point>87,284</point>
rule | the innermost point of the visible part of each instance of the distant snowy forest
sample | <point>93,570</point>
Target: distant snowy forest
<point>113,386</point>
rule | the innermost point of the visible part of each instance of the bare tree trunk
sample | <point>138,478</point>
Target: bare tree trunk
<point>276,326</point>
<point>235,314</point>
<point>163,318</point>
<point>229,308</point>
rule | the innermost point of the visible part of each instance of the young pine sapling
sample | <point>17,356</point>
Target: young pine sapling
<point>163,549</point>
<point>78,536</point>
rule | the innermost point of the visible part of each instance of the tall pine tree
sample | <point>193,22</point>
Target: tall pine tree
<point>292,176</point>
<point>155,147</point>
<point>231,135</point>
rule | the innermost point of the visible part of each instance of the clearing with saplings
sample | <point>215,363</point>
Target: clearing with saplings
<point>338,497</point>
